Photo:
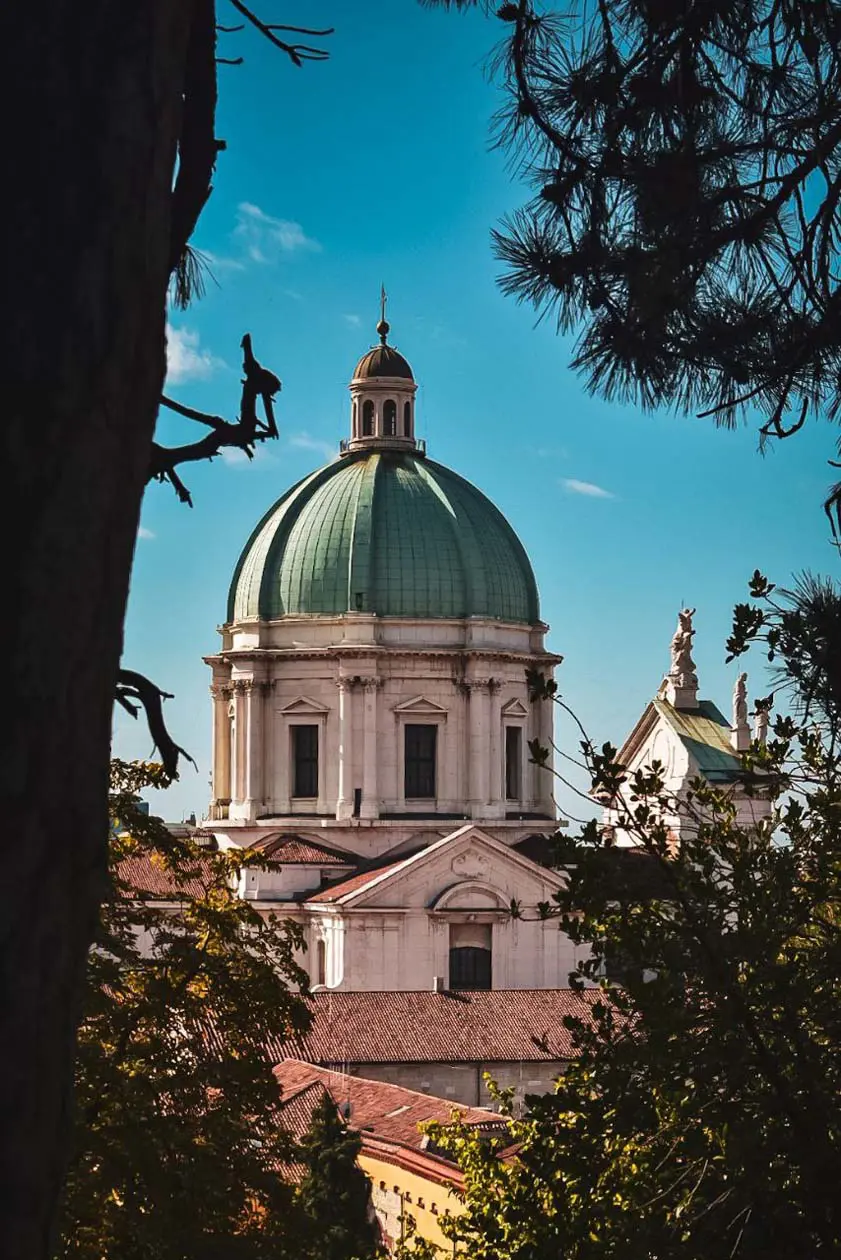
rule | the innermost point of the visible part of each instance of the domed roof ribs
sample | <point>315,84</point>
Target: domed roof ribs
<point>362,538</point>
<point>272,546</point>
<point>474,576</point>
<point>240,603</point>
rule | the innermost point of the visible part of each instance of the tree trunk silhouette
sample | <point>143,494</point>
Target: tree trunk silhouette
<point>95,94</point>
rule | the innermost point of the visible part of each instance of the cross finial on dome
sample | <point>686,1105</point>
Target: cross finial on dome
<point>383,326</point>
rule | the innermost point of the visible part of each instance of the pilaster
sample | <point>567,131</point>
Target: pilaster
<point>221,790</point>
<point>344,803</point>
<point>370,807</point>
<point>479,740</point>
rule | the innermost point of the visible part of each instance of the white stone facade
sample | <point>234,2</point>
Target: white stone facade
<point>360,680</point>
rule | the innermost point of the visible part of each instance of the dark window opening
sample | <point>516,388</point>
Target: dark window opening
<point>320,962</point>
<point>513,763</point>
<point>407,419</point>
<point>470,967</point>
<point>305,760</point>
<point>368,418</point>
<point>390,418</point>
<point>420,749</point>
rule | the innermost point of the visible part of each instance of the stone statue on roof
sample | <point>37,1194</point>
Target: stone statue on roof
<point>740,701</point>
<point>740,731</point>
<point>760,726</point>
<point>683,667</point>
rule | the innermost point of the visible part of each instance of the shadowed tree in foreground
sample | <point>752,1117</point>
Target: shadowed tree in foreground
<point>110,150</point>
<point>686,161</point>
<point>177,1147</point>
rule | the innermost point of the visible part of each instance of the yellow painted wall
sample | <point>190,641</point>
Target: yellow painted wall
<point>409,1194</point>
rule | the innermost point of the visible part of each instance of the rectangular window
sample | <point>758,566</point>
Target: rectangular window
<point>304,760</point>
<point>513,763</point>
<point>420,750</point>
<point>470,955</point>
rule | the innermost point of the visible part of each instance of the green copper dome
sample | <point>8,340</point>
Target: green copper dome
<point>386,532</point>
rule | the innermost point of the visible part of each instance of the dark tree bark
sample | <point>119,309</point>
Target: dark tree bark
<point>90,142</point>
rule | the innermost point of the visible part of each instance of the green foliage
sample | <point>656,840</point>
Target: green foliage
<point>702,1117</point>
<point>334,1192</point>
<point>176,1142</point>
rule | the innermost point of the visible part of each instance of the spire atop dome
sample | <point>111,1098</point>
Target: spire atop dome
<point>382,391</point>
<point>383,327</point>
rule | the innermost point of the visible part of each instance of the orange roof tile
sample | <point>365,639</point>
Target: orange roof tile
<point>153,880</point>
<point>303,851</point>
<point>499,1025</point>
<point>386,1111</point>
<point>355,883</point>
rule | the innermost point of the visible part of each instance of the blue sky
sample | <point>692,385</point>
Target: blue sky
<point>377,166</point>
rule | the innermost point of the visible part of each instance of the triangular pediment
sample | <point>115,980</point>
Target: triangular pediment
<point>466,863</point>
<point>303,705</point>
<point>514,708</point>
<point>421,704</point>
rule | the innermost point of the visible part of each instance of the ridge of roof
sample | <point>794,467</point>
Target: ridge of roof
<point>286,846</point>
<point>380,1109</point>
<point>705,733</point>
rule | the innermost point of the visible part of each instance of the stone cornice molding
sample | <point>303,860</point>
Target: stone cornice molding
<point>386,652</point>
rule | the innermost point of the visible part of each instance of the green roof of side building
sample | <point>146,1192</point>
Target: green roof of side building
<point>385,532</point>
<point>705,733</point>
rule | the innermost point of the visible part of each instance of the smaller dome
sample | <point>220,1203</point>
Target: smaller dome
<point>383,360</point>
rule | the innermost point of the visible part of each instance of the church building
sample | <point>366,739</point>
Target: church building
<point>371,731</point>
<point>372,716</point>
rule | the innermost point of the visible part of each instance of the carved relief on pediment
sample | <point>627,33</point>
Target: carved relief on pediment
<point>470,865</point>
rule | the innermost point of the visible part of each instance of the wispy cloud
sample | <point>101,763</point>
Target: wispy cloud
<point>587,488</point>
<point>186,360</point>
<point>265,238</point>
<point>235,456</point>
<point>306,442</point>
<point>218,264</point>
<point>353,320</point>
<point>143,532</point>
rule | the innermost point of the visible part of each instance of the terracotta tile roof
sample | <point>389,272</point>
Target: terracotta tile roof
<point>303,851</point>
<point>355,883</point>
<point>388,1112</point>
<point>500,1025</point>
<point>150,879</point>
<point>295,1115</point>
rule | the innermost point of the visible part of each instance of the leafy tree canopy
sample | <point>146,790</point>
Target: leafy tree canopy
<point>176,1144</point>
<point>702,1116</point>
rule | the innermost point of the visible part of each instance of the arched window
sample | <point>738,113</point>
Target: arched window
<point>320,962</point>
<point>407,419</point>
<point>390,418</point>
<point>353,418</point>
<point>368,418</point>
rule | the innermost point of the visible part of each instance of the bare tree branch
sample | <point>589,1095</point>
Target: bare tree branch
<point>297,53</point>
<point>134,691</point>
<point>259,385</point>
